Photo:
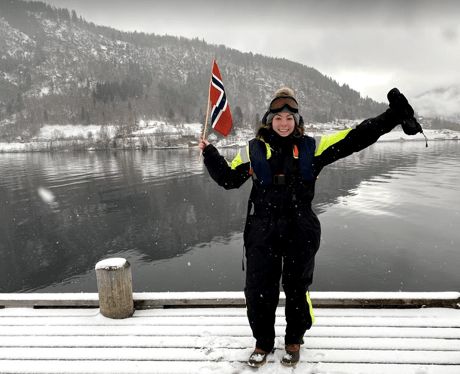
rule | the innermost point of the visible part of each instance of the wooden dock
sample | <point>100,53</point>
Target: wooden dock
<point>192,333</point>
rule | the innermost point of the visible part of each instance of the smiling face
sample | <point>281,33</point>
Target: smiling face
<point>283,124</point>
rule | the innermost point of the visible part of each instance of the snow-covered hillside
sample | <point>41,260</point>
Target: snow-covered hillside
<point>161,135</point>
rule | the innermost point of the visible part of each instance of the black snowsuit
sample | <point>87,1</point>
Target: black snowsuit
<point>282,233</point>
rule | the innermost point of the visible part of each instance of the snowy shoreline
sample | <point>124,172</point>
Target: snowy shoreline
<point>161,135</point>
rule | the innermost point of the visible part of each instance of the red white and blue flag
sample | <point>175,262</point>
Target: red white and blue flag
<point>221,118</point>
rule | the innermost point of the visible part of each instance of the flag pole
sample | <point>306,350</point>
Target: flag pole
<point>207,108</point>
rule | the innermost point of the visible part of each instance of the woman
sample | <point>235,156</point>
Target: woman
<point>282,233</point>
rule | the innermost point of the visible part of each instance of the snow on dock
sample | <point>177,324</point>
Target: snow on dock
<point>209,333</point>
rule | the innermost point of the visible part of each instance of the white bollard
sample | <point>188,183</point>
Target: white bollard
<point>115,287</point>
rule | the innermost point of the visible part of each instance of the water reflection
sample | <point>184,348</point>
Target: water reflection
<point>397,231</point>
<point>157,204</point>
<point>179,230</point>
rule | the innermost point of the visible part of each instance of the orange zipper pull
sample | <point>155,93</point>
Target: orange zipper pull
<point>296,151</point>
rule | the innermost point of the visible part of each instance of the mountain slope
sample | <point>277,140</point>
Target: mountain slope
<point>57,68</point>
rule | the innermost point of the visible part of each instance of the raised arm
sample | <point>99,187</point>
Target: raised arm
<point>226,175</point>
<point>330,148</point>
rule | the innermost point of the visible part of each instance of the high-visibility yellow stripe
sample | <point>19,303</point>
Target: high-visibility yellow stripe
<point>311,308</point>
<point>329,140</point>
<point>269,150</point>
<point>237,161</point>
<point>243,156</point>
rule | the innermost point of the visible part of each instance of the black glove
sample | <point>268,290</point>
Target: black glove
<point>403,110</point>
<point>411,126</point>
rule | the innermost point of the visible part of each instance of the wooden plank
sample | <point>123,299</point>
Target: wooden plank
<point>319,299</point>
<point>382,357</point>
<point>168,367</point>
<point>50,312</point>
<point>427,313</point>
<point>34,300</point>
<point>225,331</point>
<point>384,344</point>
<point>228,321</point>
<point>236,299</point>
<point>228,355</point>
<point>219,340</point>
<point>386,303</point>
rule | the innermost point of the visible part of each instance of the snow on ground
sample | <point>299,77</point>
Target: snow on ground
<point>50,132</point>
<point>451,295</point>
<point>218,340</point>
<point>154,128</point>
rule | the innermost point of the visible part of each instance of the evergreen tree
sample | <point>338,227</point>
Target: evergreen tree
<point>19,103</point>
<point>237,116</point>
<point>257,121</point>
<point>74,17</point>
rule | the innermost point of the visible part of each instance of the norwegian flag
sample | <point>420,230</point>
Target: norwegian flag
<point>221,118</point>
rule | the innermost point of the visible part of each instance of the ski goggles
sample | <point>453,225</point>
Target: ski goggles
<point>279,103</point>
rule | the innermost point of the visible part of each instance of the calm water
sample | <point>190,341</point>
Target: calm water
<point>390,217</point>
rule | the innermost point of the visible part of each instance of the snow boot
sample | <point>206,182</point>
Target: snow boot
<point>292,356</point>
<point>258,358</point>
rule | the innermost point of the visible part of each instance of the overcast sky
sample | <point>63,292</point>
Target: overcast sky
<point>371,45</point>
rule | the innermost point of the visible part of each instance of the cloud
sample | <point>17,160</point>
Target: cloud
<point>441,103</point>
<point>450,35</point>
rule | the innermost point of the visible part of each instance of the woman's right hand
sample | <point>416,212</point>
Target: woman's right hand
<point>203,143</point>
